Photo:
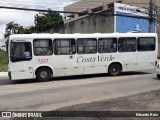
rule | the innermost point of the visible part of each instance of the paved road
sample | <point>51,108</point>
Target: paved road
<point>66,91</point>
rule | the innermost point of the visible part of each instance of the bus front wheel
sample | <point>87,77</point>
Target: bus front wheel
<point>43,74</point>
<point>158,76</point>
<point>114,69</point>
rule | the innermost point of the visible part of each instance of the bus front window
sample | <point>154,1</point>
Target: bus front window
<point>20,51</point>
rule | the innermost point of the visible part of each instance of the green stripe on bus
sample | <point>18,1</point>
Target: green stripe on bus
<point>9,75</point>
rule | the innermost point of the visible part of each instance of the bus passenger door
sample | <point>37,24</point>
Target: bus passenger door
<point>147,53</point>
<point>86,52</point>
<point>64,62</point>
<point>127,53</point>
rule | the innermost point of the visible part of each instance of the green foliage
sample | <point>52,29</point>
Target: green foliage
<point>29,30</point>
<point>3,57</point>
<point>43,22</point>
<point>49,20</point>
<point>13,28</point>
<point>3,61</point>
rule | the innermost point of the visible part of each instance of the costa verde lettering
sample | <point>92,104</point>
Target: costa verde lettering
<point>99,58</point>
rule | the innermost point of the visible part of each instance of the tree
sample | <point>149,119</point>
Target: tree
<point>29,30</point>
<point>47,21</point>
<point>13,28</point>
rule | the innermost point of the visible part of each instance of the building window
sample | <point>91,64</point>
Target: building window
<point>42,47</point>
<point>146,44</point>
<point>64,46</point>
<point>127,44</point>
<point>107,45</point>
<point>86,45</point>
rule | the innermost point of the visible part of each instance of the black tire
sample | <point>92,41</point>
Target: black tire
<point>114,69</point>
<point>43,74</point>
<point>158,76</point>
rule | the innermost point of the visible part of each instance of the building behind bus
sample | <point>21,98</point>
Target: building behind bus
<point>85,23</point>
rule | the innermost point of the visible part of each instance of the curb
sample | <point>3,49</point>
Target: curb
<point>3,74</point>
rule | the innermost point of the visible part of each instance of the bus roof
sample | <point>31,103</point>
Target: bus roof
<point>94,35</point>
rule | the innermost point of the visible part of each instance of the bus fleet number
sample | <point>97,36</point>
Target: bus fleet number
<point>42,61</point>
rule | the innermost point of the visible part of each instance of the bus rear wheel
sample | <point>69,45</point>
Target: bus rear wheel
<point>43,74</point>
<point>114,69</point>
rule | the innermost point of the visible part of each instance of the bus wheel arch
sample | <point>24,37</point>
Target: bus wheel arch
<point>115,68</point>
<point>43,73</point>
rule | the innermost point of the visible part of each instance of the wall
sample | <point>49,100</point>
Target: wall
<point>137,21</point>
<point>91,24</point>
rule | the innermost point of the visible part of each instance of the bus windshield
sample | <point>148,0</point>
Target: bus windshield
<point>20,51</point>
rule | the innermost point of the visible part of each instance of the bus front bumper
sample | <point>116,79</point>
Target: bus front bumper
<point>14,75</point>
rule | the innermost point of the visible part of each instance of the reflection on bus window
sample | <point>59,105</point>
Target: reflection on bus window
<point>107,45</point>
<point>127,44</point>
<point>21,51</point>
<point>86,45</point>
<point>42,47</point>
<point>64,46</point>
<point>146,44</point>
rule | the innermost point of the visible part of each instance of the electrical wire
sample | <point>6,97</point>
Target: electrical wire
<point>84,5</point>
<point>29,5</point>
<point>17,4</point>
<point>81,5</point>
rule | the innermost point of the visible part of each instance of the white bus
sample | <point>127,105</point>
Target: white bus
<point>43,56</point>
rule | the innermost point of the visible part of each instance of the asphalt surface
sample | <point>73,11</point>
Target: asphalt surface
<point>67,91</point>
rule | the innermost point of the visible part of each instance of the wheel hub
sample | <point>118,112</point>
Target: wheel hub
<point>43,74</point>
<point>114,70</point>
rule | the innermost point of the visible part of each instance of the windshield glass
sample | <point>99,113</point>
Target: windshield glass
<point>20,51</point>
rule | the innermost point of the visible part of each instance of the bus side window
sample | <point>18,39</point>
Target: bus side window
<point>146,44</point>
<point>86,45</point>
<point>127,44</point>
<point>64,46</point>
<point>107,45</point>
<point>42,47</point>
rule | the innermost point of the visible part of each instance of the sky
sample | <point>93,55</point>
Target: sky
<point>26,18</point>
